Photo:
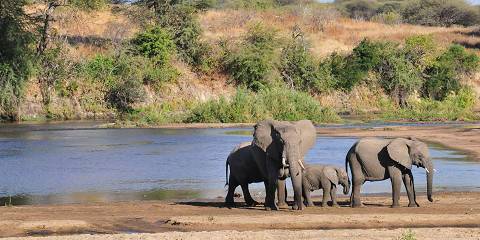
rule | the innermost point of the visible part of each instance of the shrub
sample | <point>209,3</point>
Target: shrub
<point>15,55</point>
<point>456,106</point>
<point>445,74</point>
<point>154,43</point>
<point>252,64</point>
<point>125,93</point>
<point>11,91</point>
<point>102,69</point>
<point>182,22</point>
<point>390,18</point>
<point>277,103</point>
<point>440,13</point>
<point>297,65</point>
<point>420,50</point>
<point>88,4</point>
<point>359,9</point>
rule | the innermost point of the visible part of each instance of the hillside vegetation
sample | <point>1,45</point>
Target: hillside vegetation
<point>155,62</point>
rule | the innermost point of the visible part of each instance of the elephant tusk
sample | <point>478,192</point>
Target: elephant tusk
<point>427,170</point>
<point>301,164</point>
<point>284,162</point>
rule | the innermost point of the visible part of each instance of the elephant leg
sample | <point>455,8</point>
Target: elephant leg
<point>271,186</point>
<point>333,195</point>
<point>306,196</point>
<point>282,193</point>
<point>396,179</point>
<point>326,193</point>
<point>358,178</point>
<point>248,198</point>
<point>232,184</point>
<point>409,186</point>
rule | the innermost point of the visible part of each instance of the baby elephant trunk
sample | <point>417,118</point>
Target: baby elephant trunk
<point>346,187</point>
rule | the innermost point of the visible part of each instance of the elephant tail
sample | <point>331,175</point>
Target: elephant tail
<point>226,173</point>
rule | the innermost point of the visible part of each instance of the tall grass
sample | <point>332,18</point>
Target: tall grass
<point>276,103</point>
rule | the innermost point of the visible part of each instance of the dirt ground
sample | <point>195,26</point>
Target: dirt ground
<point>452,215</point>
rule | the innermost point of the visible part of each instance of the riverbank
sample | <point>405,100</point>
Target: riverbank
<point>451,215</point>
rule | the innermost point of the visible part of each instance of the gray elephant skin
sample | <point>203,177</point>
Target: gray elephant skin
<point>279,145</point>
<point>376,159</point>
<point>326,177</point>
<point>243,170</point>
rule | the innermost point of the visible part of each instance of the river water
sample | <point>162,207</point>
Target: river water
<point>58,163</point>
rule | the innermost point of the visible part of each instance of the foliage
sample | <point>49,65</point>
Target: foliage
<point>359,9</point>
<point>407,235</point>
<point>154,43</point>
<point>124,93</point>
<point>297,65</point>
<point>390,18</point>
<point>277,103</point>
<point>15,55</point>
<point>456,106</point>
<point>252,63</point>
<point>447,71</point>
<point>440,13</point>
<point>88,4</point>
<point>181,20</point>
<point>248,4</point>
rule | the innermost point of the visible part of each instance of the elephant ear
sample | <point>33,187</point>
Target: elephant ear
<point>331,174</point>
<point>398,152</point>
<point>262,135</point>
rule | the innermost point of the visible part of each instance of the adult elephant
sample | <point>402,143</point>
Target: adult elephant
<point>281,145</point>
<point>375,159</point>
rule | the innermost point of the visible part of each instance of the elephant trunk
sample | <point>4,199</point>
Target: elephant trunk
<point>429,170</point>
<point>296,173</point>
<point>346,187</point>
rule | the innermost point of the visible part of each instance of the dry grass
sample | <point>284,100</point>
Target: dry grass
<point>324,28</point>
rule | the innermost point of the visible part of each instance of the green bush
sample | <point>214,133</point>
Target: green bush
<point>440,13</point>
<point>125,93</point>
<point>456,106</point>
<point>298,67</point>
<point>420,50</point>
<point>102,69</point>
<point>11,91</point>
<point>359,9</point>
<point>154,43</point>
<point>277,103</point>
<point>445,75</point>
<point>181,20</point>
<point>252,62</point>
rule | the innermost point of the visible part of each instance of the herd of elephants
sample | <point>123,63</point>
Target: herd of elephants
<point>277,152</point>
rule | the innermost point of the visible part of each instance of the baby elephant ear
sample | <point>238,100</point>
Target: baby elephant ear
<point>331,174</point>
<point>398,152</point>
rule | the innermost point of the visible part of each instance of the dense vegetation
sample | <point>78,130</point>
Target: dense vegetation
<point>275,76</point>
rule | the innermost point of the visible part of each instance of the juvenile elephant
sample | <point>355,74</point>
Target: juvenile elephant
<point>277,146</point>
<point>326,177</point>
<point>374,159</point>
<point>243,171</point>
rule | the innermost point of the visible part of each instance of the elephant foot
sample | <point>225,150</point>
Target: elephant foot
<point>271,207</point>
<point>357,205</point>
<point>395,206</point>
<point>310,204</point>
<point>413,205</point>
<point>282,204</point>
<point>296,207</point>
<point>252,204</point>
<point>230,204</point>
<point>335,205</point>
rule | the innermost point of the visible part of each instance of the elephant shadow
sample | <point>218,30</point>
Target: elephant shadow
<point>211,204</point>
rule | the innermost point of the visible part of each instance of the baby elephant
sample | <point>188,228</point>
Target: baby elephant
<point>327,177</point>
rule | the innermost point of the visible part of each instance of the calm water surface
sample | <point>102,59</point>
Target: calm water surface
<point>70,164</point>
